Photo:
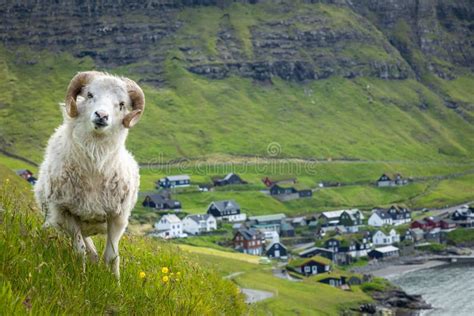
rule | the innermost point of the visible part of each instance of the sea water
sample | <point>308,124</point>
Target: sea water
<point>449,288</point>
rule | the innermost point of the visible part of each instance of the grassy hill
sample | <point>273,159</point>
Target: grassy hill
<point>195,116</point>
<point>40,274</point>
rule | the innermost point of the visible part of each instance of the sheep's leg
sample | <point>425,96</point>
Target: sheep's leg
<point>72,227</point>
<point>91,250</point>
<point>115,229</point>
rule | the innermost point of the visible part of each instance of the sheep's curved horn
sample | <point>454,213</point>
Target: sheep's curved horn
<point>74,88</point>
<point>138,103</point>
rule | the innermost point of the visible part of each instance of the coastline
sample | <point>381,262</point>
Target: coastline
<point>391,271</point>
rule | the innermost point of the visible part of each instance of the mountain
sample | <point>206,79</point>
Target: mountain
<point>372,80</point>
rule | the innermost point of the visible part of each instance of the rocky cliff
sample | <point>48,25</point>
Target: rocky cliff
<point>293,40</point>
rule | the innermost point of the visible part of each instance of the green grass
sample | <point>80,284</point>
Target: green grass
<point>197,117</point>
<point>449,192</point>
<point>40,274</point>
<point>300,298</point>
<point>461,237</point>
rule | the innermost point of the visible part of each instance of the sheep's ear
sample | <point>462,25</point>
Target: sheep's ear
<point>132,118</point>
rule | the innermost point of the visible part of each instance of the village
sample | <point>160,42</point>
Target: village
<point>324,244</point>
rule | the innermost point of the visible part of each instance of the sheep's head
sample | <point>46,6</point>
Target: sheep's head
<point>103,102</point>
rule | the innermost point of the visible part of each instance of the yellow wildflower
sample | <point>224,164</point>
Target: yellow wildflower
<point>178,273</point>
<point>165,278</point>
<point>142,275</point>
<point>165,270</point>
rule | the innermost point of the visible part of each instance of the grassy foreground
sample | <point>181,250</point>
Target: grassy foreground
<point>40,274</point>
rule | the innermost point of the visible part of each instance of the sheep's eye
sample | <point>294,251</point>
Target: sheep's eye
<point>122,105</point>
<point>89,95</point>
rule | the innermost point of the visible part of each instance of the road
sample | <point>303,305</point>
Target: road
<point>254,296</point>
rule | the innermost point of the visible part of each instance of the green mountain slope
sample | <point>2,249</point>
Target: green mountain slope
<point>314,80</point>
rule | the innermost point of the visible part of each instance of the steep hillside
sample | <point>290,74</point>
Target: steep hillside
<point>40,274</point>
<point>321,80</point>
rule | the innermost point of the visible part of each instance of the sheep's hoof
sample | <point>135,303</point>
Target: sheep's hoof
<point>94,258</point>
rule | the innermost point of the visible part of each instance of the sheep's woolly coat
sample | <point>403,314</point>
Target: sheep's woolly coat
<point>89,179</point>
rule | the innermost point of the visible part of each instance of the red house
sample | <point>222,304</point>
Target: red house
<point>447,224</point>
<point>420,223</point>
<point>249,241</point>
<point>433,222</point>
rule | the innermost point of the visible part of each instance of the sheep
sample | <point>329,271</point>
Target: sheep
<point>88,182</point>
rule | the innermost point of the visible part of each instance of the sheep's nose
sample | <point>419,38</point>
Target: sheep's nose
<point>101,115</point>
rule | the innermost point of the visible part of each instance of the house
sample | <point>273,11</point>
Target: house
<point>310,266</point>
<point>178,181</point>
<point>249,241</point>
<point>227,210</point>
<point>336,281</point>
<point>271,237</point>
<point>161,201</point>
<point>229,179</point>
<point>383,253</point>
<point>354,280</point>
<point>433,235</point>
<point>200,223</point>
<point>270,222</point>
<point>420,224</point>
<point>350,219</point>
<point>27,175</point>
<point>317,251</point>
<point>169,226</point>
<point>395,215</point>
<point>305,193</point>
<point>415,235</point>
<point>433,222</point>
<point>463,216</point>
<point>298,221</point>
<point>381,238</point>
<point>289,193</point>
<point>387,180</point>
<point>279,190</point>
<point>269,182</point>
<point>446,224</point>
<point>276,250</point>
<point>287,230</point>
<point>353,246</point>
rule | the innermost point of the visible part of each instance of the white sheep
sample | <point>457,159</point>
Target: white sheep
<point>88,182</point>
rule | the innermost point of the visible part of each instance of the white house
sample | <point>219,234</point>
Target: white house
<point>271,237</point>
<point>178,181</point>
<point>169,226</point>
<point>380,238</point>
<point>394,215</point>
<point>379,219</point>
<point>196,224</point>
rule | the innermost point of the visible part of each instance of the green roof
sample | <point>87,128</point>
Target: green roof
<point>300,261</point>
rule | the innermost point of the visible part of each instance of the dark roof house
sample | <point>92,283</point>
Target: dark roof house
<point>276,250</point>
<point>223,208</point>
<point>389,180</point>
<point>161,202</point>
<point>229,179</point>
